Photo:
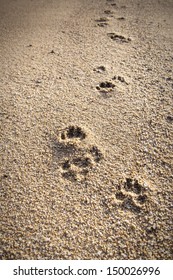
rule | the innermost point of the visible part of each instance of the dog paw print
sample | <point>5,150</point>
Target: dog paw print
<point>77,158</point>
<point>96,153</point>
<point>73,132</point>
<point>120,79</point>
<point>112,3</point>
<point>118,38</point>
<point>76,168</point>
<point>108,12</point>
<point>105,88</point>
<point>102,22</point>
<point>131,196</point>
<point>100,69</point>
<point>121,18</point>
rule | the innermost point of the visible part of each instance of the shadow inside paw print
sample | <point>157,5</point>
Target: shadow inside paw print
<point>108,12</point>
<point>96,153</point>
<point>120,79</point>
<point>100,69</point>
<point>105,88</point>
<point>112,3</point>
<point>132,186</point>
<point>102,19</point>
<point>70,175</point>
<point>131,196</point>
<point>169,119</point>
<point>129,204</point>
<point>76,167</point>
<point>120,18</point>
<point>106,85</point>
<point>102,22</point>
<point>118,38</point>
<point>82,161</point>
<point>73,132</point>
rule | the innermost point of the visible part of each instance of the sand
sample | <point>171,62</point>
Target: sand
<point>86,129</point>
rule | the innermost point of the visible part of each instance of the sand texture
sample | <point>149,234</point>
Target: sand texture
<point>86,129</point>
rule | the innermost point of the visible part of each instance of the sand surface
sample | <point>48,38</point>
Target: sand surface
<point>86,129</point>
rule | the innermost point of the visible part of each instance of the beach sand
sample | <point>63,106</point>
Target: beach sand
<point>86,129</point>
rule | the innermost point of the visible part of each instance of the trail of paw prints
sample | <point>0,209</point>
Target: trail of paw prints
<point>115,6</point>
<point>81,157</point>
<point>131,196</point>
<point>104,20</point>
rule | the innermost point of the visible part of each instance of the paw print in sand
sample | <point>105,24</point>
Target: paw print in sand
<point>118,38</point>
<point>105,88</point>
<point>131,196</point>
<point>76,167</point>
<point>73,132</point>
<point>78,156</point>
<point>102,22</point>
